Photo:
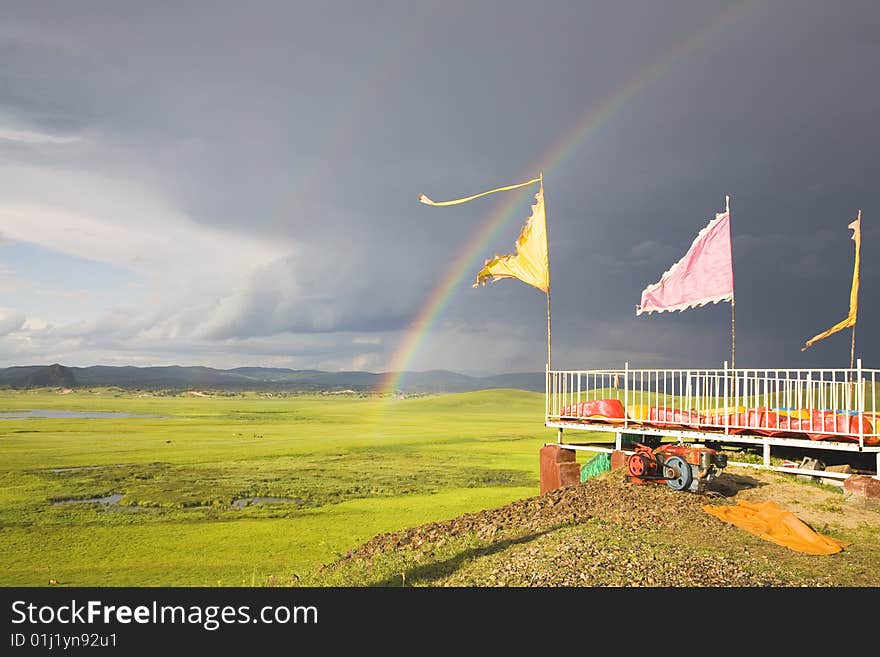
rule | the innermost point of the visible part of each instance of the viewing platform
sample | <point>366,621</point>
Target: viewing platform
<point>807,409</point>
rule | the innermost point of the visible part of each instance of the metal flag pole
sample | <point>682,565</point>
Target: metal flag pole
<point>852,349</point>
<point>732,296</point>
<point>547,233</point>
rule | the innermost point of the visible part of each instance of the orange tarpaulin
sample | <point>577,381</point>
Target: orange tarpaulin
<point>775,524</point>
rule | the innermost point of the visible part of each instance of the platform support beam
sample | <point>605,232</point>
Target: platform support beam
<point>766,455</point>
<point>618,440</point>
<point>559,435</point>
<point>877,468</point>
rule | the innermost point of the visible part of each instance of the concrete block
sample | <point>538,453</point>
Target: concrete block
<point>808,463</point>
<point>549,475</point>
<point>562,455</point>
<point>862,486</point>
<point>618,459</point>
<point>551,457</point>
<point>845,468</point>
<point>569,474</point>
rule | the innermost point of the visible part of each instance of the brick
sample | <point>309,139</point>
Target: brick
<point>862,486</point>
<point>569,474</point>
<point>549,469</point>
<point>551,457</point>
<point>559,454</point>
<point>618,459</point>
<point>549,476</point>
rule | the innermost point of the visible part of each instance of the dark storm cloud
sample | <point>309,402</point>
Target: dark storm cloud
<point>314,129</point>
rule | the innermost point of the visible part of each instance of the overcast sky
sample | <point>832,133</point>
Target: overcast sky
<point>232,184</point>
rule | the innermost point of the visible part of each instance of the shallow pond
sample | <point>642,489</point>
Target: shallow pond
<point>110,499</point>
<point>247,501</point>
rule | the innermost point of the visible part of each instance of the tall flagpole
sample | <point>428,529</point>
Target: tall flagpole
<point>852,349</point>
<point>547,234</point>
<point>732,295</point>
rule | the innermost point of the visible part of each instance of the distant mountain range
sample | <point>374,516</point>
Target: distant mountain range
<point>175,377</point>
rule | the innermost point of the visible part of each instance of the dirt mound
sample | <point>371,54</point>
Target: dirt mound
<point>607,532</point>
<point>609,498</point>
<point>606,555</point>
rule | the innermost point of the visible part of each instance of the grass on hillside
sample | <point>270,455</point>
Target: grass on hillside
<point>345,468</point>
<point>350,467</point>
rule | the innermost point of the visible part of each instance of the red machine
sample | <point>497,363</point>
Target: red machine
<point>682,467</point>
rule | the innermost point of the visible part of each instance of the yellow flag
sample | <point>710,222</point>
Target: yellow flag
<point>424,199</point>
<point>854,292</point>
<point>530,264</point>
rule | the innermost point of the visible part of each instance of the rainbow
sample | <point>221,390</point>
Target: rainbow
<point>466,262</point>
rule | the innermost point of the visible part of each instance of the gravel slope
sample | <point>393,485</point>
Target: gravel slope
<point>607,532</point>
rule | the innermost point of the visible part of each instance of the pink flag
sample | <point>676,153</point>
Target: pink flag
<point>704,275</point>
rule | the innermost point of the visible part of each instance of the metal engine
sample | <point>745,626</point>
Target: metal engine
<point>682,467</point>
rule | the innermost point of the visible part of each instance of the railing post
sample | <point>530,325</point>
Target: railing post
<point>546,393</point>
<point>860,401</point>
<point>625,393</point>
<point>726,403</point>
<point>809,399</point>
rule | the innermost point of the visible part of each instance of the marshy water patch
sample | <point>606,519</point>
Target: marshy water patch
<point>242,502</point>
<point>55,414</point>
<point>80,468</point>
<point>109,499</point>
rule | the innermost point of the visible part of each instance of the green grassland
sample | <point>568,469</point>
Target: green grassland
<point>349,466</point>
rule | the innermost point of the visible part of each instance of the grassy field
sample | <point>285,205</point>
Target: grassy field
<point>346,467</point>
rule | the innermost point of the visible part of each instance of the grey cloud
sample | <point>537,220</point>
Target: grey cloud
<point>10,321</point>
<point>316,127</point>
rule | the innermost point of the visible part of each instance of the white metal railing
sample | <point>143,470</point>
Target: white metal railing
<point>787,402</point>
